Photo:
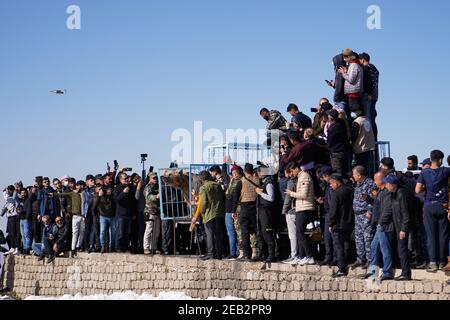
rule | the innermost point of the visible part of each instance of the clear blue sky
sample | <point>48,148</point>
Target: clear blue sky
<point>137,70</point>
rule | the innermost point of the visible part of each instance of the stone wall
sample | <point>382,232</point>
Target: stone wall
<point>107,274</point>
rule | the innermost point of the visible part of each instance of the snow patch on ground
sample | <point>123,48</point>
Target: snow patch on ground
<point>129,295</point>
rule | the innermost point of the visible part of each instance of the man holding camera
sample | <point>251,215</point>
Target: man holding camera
<point>91,239</point>
<point>46,200</point>
<point>152,214</point>
<point>124,198</point>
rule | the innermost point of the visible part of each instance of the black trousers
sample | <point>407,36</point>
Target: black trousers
<point>214,237</point>
<point>88,222</point>
<point>247,220</point>
<point>301,221</point>
<point>363,159</point>
<point>37,230</point>
<point>330,255</point>
<point>123,232</point>
<point>402,249</point>
<point>265,234</point>
<point>167,236</point>
<point>134,234</point>
<point>14,232</point>
<point>340,162</point>
<point>340,237</point>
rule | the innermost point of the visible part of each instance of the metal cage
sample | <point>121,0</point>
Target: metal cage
<point>174,203</point>
<point>382,150</point>
<point>241,153</point>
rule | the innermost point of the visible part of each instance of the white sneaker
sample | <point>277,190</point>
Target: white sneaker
<point>288,261</point>
<point>301,262</point>
<point>16,252</point>
<point>310,261</point>
<point>9,252</point>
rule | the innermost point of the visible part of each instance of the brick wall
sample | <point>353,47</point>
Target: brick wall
<point>107,274</point>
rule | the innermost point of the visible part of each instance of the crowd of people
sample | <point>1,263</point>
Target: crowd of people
<point>338,204</point>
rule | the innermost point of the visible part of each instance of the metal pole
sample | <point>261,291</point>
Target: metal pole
<point>174,238</point>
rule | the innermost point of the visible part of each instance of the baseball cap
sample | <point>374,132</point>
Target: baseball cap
<point>426,162</point>
<point>337,177</point>
<point>391,179</point>
<point>325,171</point>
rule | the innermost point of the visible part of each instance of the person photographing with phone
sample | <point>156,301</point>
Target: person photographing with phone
<point>124,198</point>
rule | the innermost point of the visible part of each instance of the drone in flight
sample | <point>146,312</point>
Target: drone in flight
<point>59,91</point>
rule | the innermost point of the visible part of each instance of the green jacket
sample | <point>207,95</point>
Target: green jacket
<point>76,201</point>
<point>213,201</point>
<point>151,202</point>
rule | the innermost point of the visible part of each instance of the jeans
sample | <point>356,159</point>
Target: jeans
<point>283,186</point>
<point>91,232</point>
<point>370,112</point>
<point>382,243</point>
<point>108,225</point>
<point>437,229</point>
<point>37,249</point>
<point>26,230</point>
<point>123,232</point>
<point>344,106</point>
<point>232,235</point>
<point>367,106</point>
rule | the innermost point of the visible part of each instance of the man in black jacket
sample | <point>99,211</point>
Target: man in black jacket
<point>124,198</point>
<point>338,143</point>
<point>341,220</point>
<point>61,239</point>
<point>401,217</point>
<point>25,211</point>
<point>382,221</point>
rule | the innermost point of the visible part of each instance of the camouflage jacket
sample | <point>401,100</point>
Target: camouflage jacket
<point>151,201</point>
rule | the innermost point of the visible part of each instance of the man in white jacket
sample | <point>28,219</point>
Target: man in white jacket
<point>10,209</point>
<point>305,206</point>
